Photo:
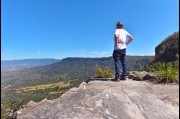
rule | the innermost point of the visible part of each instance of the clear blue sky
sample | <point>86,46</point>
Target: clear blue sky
<point>83,28</point>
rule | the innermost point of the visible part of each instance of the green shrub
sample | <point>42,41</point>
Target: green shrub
<point>8,107</point>
<point>166,72</point>
<point>103,73</point>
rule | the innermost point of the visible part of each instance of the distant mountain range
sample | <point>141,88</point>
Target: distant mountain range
<point>14,65</point>
<point>65,69</point>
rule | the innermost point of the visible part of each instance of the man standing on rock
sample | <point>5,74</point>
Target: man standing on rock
<point>119,53</point>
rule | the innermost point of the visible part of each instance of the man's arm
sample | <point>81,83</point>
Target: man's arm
<point>115,40</point>
<point>130,39</point>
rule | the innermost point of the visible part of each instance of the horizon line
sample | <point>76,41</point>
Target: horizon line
<point>66,57</point>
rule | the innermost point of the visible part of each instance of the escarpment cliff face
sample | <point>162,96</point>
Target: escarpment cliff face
<point>109,100</point>
<point>168,50</point>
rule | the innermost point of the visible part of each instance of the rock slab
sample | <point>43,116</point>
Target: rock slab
<point>109,100</point>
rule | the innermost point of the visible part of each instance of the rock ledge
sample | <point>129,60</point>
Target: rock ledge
<point>109,100</point>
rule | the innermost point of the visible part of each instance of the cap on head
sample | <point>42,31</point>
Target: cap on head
<point>119,24</point>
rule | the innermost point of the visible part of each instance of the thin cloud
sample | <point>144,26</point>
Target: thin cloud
<point>94,53</point>
<point>83,51</point>
<point>98,54</point>
<point>11,50</point>
<point>8,50</point>
<point>104,52</point>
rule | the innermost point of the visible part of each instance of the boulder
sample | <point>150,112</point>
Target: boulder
<point>141,75</point>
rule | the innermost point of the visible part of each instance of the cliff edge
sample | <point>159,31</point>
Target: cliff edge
<point>168,49</point>
<point>109,100</point>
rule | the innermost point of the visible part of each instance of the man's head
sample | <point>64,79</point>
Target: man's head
<point>119,25</point>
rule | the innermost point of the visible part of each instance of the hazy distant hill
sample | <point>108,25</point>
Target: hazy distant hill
<point>78,69</point>
<point>12,65</point>
<point>86,66</point>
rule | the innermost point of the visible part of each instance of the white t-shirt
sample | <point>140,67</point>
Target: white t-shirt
<point>122,35</point>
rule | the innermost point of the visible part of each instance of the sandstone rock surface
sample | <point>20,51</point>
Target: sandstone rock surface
<point>168,49</point>
<point>109,100</point>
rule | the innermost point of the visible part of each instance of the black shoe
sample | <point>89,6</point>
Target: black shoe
<point>115,79</point>
<point>127,73</point>
<point>123,78</point>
